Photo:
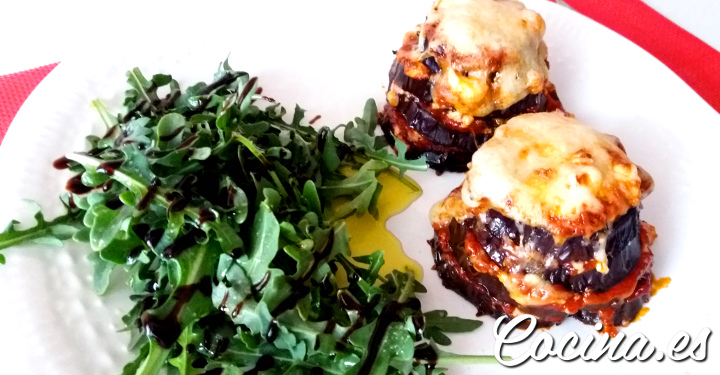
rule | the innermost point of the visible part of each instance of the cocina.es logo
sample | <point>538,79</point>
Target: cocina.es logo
<point>621,347</point>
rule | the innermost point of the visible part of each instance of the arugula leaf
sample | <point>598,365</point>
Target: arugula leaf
<point>169,131</point>
<point>263,244</point>
<point>47,232</point>
<point>183,361</point>
<point>227,219</point>
<point>101,272</point>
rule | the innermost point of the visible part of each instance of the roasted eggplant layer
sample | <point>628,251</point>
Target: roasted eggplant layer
<point>467,269</point>
<point>574,264</point>
<point>446,140</point>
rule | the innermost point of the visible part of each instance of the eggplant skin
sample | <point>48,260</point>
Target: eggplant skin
<point>446,147</point>
<point>453,154</point>
<point>490,296</point>
<point>622,248</point>
<point>453,266</point>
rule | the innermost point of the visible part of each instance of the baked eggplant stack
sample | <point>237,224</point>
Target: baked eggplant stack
<point>547,223</point>
<point>469,68</point>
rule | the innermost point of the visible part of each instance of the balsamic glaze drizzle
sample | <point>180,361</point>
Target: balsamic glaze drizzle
<point>272,332</point>
<point>183,243</point>
<point>262,283</point>
<point>147,198</point>
<point>426,353</point>
<point>166,330</point>
<point>110,166</point>
<point>170,136</point>
<point>388,316</point>
<point>75,185</point>
<point>107,185</point>
<point>206,214</point>
<point>62,163</point>
<point>266,362</point>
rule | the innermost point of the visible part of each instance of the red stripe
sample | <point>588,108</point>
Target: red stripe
<point>14,89</point>
<point>693,60</point>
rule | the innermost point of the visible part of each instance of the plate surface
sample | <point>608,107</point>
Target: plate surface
<point>329,57</point>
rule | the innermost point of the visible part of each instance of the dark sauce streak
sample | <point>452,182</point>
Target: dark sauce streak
<point>95,151</point>
<point>131,113</point>
<point>113,203</point>
<point>168,101</point>
<point>188,142</point>
<point>246,90</point>
<point>299,289</point>
<point>166,330</point>
<point>134,253</point>
<point>418,321</point>
<point>223,305</point>
<point>171,136</point>
<point>354,327</point>
<point>186,183</point>
<point>147,198</point>
<point>273,332</point>
<point>201,362</point>
<point>183,243</point>
<point>62,163</point>
<point>205,285</point>
<point>141,230</point>
<point>388,316</point>
<point>206,215</point>
<point>348,302</point>
<point>222,81</point>
<point>237,309</point>
<point>314,119</point>
<point>75,185</point>
<point>427,354</point>
<point>107,185</point>
<point>257,92</point>
<point>330,327</point>
<point>265,363</point>
<point>231,192</point>
<point>152,238</point>
<point>110,166</point>
<point>262,283</point>
<point>237,252</point>
<point>178,204</point>
<point>71,202</point>
<point>326,286</point>
<point>110,132</point>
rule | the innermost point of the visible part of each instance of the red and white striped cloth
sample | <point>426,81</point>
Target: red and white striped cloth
<point>690,58</point>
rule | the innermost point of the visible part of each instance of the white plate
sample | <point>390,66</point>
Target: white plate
<point>329,57</point>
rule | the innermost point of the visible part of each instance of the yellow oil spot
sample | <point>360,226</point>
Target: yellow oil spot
<point>643,310</point>
<point>658,284</point>
<point>368,234</point>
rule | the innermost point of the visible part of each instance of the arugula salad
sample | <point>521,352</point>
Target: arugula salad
<point>226,215</point>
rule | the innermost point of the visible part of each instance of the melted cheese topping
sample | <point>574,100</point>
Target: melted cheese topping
<point>490,52</point>
<point>548,170</point>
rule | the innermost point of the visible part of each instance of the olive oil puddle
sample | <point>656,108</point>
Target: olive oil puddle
<point>368,234</point>
<point>655,286</point>
<point>658,284</point>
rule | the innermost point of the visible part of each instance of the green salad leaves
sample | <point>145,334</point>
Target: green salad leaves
<point>228,221</point>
